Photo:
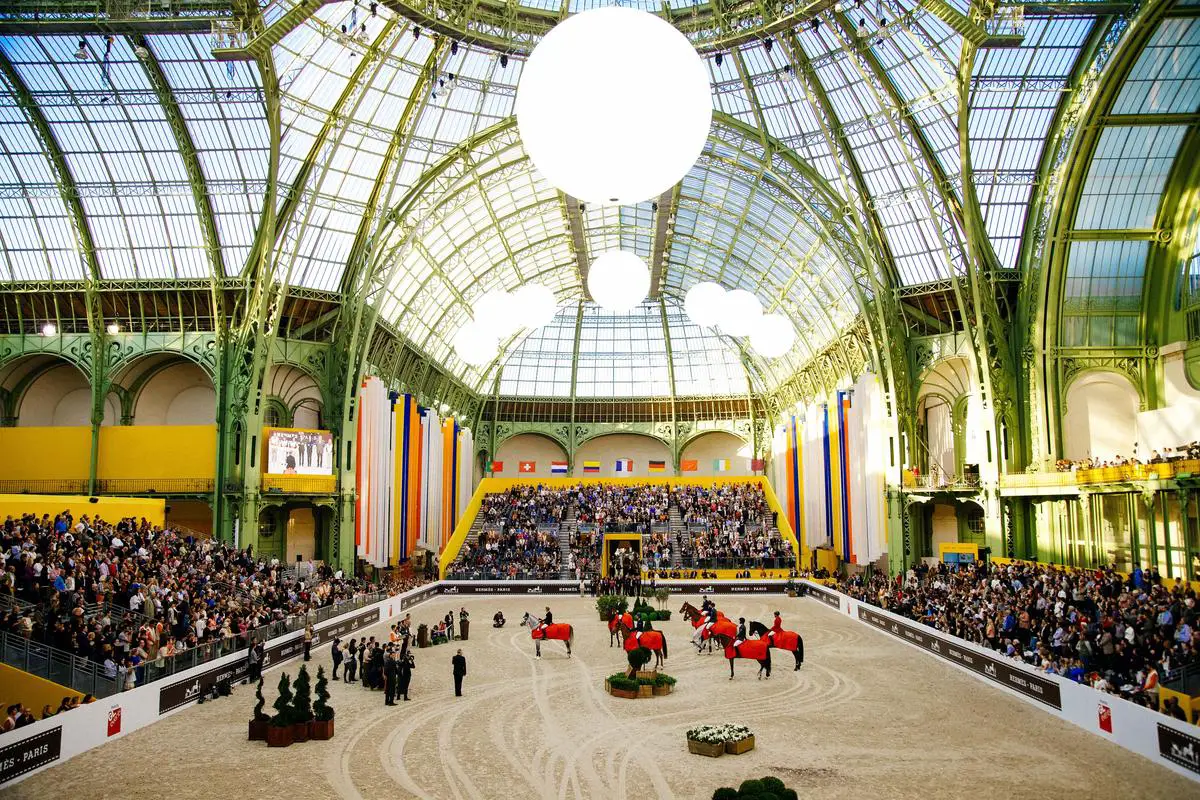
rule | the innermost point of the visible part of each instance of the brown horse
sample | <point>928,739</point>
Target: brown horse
<point>781,640</point>
<point>705,631</point>
<point>626,619</point>
<point>757,649</point>
<point>654,641</point>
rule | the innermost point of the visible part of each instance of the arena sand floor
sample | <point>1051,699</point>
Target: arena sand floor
<point>867,717</point>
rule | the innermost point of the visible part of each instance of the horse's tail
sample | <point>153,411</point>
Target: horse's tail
<point>664,641</point>
<point>570,634</point>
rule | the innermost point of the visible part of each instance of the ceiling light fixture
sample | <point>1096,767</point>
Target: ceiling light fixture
<point>768,44</point>
<point>475,345</point>
<point>614,126</point>
<point>703,303</point>
<point>719,58</point>
<point>618,281</point>
<point>773,336</point>
<point>81,52</point>
<point>49,329</point>
<point>740,313</point>
<point>416,32</point>
<point>504,61</point>
<point>113,328</point>
<point>454,48</point>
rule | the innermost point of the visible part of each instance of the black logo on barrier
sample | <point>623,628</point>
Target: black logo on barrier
<point>1179,748</point>
<point>28,754</point>
<point>825,596</point>
<point>1010,675</point>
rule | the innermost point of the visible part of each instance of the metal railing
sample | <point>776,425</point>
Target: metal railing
<point>81,674</point>
<point>1087,477</point>
<point>8,602</point>
<point>742,562</point>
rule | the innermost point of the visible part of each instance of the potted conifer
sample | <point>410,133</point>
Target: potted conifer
<point>302,713</point>
<point>322,724</point>
<point>279,734</point>
<point>260,721</point>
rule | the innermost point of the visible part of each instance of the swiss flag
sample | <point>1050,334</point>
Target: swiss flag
<point>527,466</point>
<point>114,720</point>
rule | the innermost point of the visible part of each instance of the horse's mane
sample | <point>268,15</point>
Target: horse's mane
<point>758,627</point>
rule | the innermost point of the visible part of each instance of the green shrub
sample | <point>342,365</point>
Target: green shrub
<point>725,793</point>
<point>610,605</point>
<point>664,615</point>
<point>751,787</point>
<point>321,710</point>
<point>283,703</point>
<point>789,794</point>
<point>662,594</point>
<point>646,682</point>
<point>259,714</point>
<point>773,784</point>
<point>639,658</point>
<point>663,679</point>
<point>302,702</point>
<point>622,682</point>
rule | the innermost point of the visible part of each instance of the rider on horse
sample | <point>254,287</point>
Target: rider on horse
<point>547,620</point>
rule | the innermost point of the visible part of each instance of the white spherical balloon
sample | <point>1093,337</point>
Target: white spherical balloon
<point>703,303</point>
<point>614,106</point>
<point>773,336</point>
<point>618,280</point>
<point>740,313</point>
<point>475,344</point>
<point>494,312</point>
<point>534,305</point>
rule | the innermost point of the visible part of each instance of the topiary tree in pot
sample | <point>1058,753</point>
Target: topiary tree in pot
<point>301,706</point>
<point>260,720</point>
<point>279,734</point>
<point>322,724</point>
<point>638,658</point>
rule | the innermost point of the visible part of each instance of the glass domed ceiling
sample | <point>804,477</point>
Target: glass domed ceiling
<point>397,177</point>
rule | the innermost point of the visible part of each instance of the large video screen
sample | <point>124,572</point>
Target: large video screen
<point>299,452</point>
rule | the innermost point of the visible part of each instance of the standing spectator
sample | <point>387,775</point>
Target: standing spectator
<point>256,657</point>
<point>460,672</point>
<point>407,664</point>
<point>391,679</point>
<point>308,639</point>
<point>336,651</point>
<point>351,662</point>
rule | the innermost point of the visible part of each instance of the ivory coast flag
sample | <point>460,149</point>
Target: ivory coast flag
<point>720,465</point>
<point>656,466</point>
<point>689,465</point>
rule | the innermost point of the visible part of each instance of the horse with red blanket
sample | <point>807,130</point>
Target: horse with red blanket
<point>562,631</point>
<point>757,649</point>
<point>705,630</point>
<point>780,639</point>
<point>654,641</point>
<point>625,619</point>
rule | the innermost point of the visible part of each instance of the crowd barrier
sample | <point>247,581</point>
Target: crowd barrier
<point>1165,741</point>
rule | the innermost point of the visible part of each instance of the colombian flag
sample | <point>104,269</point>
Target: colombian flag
<point>591,466</point>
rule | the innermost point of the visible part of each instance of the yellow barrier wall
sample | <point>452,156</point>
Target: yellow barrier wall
<point>109,509</point>
<point>156,451</point>
<point>494,485</point>
<point>45,453</point>
<point>30,690</point>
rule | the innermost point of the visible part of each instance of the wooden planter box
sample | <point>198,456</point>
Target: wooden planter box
<point>740,746</point>
<point>279,736</point>
<point>626,693</point>
<point>320,730</point>
<point>300,732</point>
<point>705,749</point>
<point>646,674</point>
<point>645,690</point>
<point>661,691</point>
<point>258,730</point>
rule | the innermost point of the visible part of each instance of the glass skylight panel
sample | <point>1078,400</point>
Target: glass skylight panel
<point>623,355</point>
<point>541,365</point>
<point>1166,77</point>
<point>1127,175</point>
<point>1103,293</point>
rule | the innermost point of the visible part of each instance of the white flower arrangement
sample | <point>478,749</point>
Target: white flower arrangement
<point>719,734</point>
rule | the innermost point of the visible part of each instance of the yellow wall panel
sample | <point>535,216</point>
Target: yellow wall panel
<point>157,451</point>
<point>109,509</point>
<point>45,453</point>
<point>30,690</point>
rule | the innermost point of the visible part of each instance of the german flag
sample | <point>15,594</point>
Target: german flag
<point>657,466</point>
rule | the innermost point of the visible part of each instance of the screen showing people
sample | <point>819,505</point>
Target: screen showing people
<point>291,452</point>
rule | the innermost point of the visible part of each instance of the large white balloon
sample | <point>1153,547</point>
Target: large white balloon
<point>773,336</point>
<point>614,106</point>
<point>618,280</point>
<point>475,344</point>
<point>740,314</point>
<point>703,303</point>
<point>534,305</point>
<point>494,312</point>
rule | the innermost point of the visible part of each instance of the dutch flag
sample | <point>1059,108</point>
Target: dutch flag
<point>558,468</point>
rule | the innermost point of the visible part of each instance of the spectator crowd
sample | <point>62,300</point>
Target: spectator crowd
<point>730,524</point>
<point>1119,634</point>
<point>1187,452</point>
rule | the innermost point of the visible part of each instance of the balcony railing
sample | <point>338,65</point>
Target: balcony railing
<point>1101,475</point>
<point>299,484</point>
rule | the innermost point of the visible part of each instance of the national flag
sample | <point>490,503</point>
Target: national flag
<point>720,465</point>
<point>624,465</point>
<point>657,466</point>
<point>558,468</point>
<point>689,465</point>
<point>591,466</point>
<point>497,466</point>
<point>758,464</point>
<point>526,467</point>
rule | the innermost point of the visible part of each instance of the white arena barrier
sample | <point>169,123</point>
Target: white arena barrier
<point>1164,740</point>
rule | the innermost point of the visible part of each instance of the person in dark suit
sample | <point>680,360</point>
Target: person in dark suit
<point>336,651</point>
<point>460,672</point>
<point>351,661</point>
<point>391,679</point>
<point>407,664</point>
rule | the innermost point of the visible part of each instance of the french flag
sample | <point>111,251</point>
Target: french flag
<point>624,465</point>
<point>558,468</point>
